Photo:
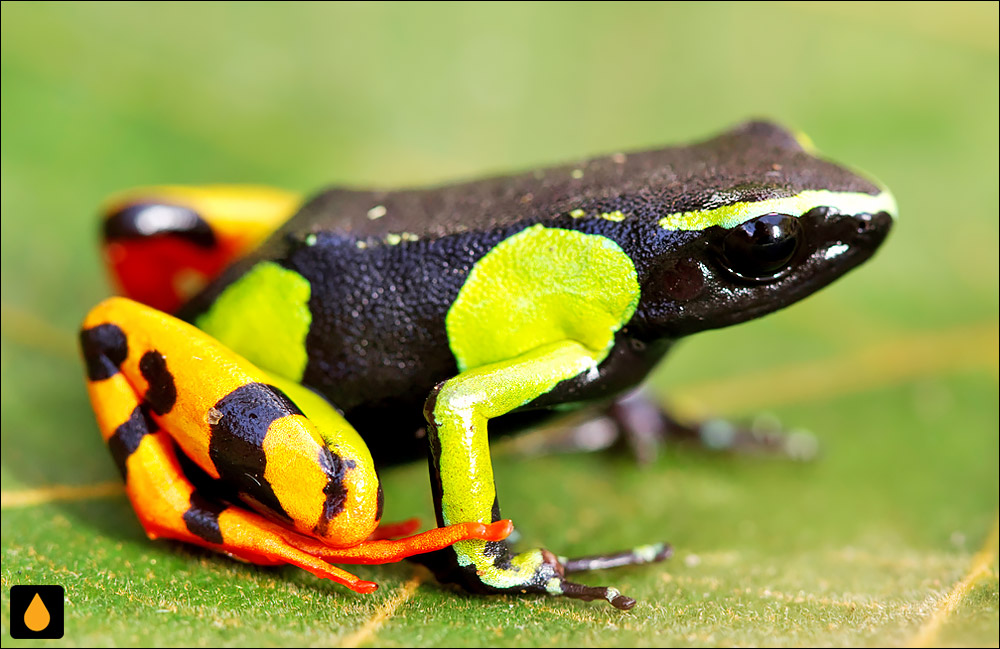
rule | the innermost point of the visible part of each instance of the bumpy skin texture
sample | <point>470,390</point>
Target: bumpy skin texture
<point>465,309</point>
<point>214,455</point>
<point>377,344</point>
<point>752,162</point>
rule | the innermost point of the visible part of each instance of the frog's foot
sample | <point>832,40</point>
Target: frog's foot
<point>491,568</point>
<point>643,427</point>
<point>195,429</point>
<point>634,557</point>
<point>462,478</point>
<point>169,506</point>
<point>389,551</point>
<point>395,530</point>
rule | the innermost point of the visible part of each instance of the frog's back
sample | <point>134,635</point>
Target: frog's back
<point>758,160</point>
<point>385,267</point>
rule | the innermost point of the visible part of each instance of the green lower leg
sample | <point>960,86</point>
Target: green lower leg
<point>462,478</point>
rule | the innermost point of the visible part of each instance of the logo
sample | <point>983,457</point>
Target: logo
<point>36,612</point>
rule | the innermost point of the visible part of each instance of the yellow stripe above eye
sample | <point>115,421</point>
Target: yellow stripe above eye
<point>729,216</point>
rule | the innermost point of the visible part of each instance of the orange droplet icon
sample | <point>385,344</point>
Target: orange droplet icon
<point>37,616</point>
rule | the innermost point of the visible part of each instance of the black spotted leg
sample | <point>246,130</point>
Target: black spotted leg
<point>259,480</point>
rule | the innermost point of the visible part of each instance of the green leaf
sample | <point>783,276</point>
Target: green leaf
<point>889,538</point>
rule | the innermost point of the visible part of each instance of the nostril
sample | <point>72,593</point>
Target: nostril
<point>865,223</point>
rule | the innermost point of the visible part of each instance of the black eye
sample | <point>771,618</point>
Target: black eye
<point>760,249</point>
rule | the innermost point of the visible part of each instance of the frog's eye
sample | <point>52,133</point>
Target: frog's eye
<point>761,248</point>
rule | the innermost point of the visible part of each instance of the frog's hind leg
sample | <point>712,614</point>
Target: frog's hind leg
<point>391,550</point>
<point>164,391</point>
<point>395,530</point>
<point>163,244</point>
<point>167,503</point>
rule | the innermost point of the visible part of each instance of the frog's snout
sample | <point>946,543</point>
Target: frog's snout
<point>864,232</point>
<point>872,226</point>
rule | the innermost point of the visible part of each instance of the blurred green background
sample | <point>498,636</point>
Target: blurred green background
<point>885,540</point>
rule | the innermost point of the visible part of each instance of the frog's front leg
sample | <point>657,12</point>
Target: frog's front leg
<point>644,426</point>
<point>218,453</point>
<point>639,424</point>
<point>462,477</point>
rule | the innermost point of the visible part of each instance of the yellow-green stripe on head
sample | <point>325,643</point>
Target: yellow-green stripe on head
<point>729,216</point>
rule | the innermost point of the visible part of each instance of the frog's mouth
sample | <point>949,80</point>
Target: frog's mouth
<point>733,275</point>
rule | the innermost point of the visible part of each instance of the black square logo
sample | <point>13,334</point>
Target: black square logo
<point>36,612</point>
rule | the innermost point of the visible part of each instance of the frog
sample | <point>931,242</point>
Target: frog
<point>279,351</point>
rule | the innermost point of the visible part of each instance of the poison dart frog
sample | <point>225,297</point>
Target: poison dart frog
<point>312,342</point>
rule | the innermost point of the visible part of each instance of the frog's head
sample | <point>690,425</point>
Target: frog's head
<point>746,248</point>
